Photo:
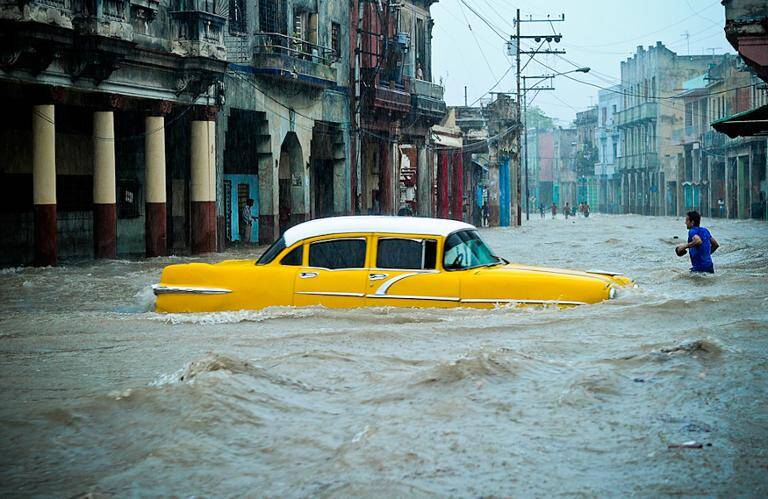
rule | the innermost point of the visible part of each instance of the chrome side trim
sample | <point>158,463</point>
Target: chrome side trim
<point>526,302</point>
<point>330,293</point>
<point>387,284</point>
<point>413,297</point>
<point>159,289</point>
<point>604,272</point>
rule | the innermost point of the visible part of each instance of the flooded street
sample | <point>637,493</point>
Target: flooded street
<point>100,395</point>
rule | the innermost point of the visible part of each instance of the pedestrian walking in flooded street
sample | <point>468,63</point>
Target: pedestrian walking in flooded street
<point>700,243</point>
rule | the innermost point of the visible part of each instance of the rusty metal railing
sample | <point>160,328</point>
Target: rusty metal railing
<point>278,43</point>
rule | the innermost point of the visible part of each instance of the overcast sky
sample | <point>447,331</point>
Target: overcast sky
<point>596,33</point>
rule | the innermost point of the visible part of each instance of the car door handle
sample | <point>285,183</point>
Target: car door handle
<point>377,277</point>
<point>308,275</point>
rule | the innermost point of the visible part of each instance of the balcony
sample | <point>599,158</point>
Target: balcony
<point>290,58</point>
<point>713,139</point>
<point>390,96</point>
<point>637,114</point>
<point>427,99</point>
<point>198,32</point>
<point>642,161</point>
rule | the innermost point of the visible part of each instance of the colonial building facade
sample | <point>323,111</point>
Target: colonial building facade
<point>284,132</point>
<point>113,142</point>
<point>651,126</point>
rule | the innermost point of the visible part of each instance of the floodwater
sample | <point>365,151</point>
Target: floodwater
<point>102,396</point>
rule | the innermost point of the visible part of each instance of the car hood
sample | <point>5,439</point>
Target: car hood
<point>606,277</point>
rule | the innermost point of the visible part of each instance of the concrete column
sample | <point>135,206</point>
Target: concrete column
<point>458,186</point>
<point>493,193</point>
<point>728,187</point>
<point>710,186</point>
<point>742,187</point>
<point>423,188</point>
<point>44,184</point>
<point>394,182</point>
<point>442,184</point>
<point>203,185</point>
<point>104,186</point>
<point>154,182</point>
<point>385,178</point>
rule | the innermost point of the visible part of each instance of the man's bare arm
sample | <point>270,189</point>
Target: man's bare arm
<point>696,241</point>
<point>712,245</point>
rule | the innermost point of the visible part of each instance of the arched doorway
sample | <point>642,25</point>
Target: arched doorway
<point>291,205</point>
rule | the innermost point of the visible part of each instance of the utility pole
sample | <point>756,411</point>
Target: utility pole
<point>525,131</point>
<point>519,119</point>
<point>515,39</point>
<point>358,104</point>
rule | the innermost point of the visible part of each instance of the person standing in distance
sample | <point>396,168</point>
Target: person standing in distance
<point>246,221</point>
<point>700,242</point>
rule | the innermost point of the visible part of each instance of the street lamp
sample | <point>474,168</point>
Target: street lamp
<point>584,69</point>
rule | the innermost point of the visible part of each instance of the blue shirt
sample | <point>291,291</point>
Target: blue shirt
<point>701,260</point>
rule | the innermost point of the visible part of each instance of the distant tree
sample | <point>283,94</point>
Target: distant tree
<point>535,117</point>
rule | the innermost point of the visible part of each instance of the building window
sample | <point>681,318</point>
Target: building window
<point>336,39</point>
<point>421,50</point>
<point>237,16</point>
<point>272,16</point>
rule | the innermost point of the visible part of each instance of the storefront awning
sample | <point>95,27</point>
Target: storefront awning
<point>751,123</point>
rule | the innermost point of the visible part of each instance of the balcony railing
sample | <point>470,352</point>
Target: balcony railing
<point>289,58</point>
<point>278,43</point>
<point>428,99</point>
<point>646,160</point>
<point>427,89</point>
<point>713,139</point>
<point>643,112</point>
<point>390,96</point>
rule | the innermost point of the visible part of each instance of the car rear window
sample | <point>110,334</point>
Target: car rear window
<point>338,254</point>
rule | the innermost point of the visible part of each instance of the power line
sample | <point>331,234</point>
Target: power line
<point>476,41</point>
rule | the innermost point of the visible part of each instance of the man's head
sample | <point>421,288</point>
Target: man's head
<point>249,202</point>
<point>692,219</point>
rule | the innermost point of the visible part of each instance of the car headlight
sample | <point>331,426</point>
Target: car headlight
<point>612,293</point>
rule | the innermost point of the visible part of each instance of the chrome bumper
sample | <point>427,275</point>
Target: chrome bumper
<point>159,289</point>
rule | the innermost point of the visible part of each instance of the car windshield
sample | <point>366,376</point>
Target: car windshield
<point>465,249</point>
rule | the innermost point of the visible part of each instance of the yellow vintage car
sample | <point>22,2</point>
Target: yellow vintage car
<point>370,261</point>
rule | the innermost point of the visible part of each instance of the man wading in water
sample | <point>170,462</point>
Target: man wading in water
<point>700,242</point>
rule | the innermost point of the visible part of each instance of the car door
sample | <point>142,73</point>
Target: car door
<point>406,272</point>
<point>334,274</point>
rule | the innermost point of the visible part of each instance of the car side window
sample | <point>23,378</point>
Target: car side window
<point>293,258</point>
<point>416,254</point>
<point>338,254</point>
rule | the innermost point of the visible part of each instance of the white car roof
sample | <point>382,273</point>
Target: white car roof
<point>395,225</point>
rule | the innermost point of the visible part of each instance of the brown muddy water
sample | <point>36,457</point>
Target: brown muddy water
<point>101,396</point>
